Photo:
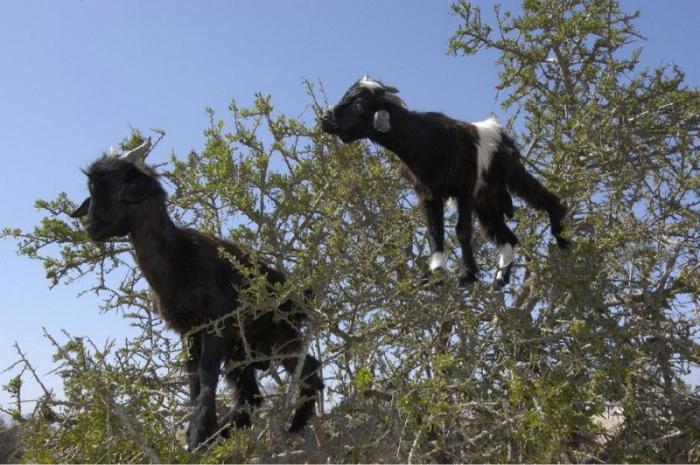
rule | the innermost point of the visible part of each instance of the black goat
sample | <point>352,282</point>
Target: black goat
<point>195,286</point>
<point>477,164</point>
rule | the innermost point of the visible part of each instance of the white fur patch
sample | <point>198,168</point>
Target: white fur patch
<point>438,260</point>
<point>505,258</point>
<point>489,138</point>
<point>451,203</point>
<point>382,121</point>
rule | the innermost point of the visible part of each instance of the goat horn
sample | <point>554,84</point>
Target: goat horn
<point>139,153</point>
<point>371,84</point>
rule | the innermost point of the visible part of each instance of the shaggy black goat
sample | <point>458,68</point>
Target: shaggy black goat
<point>477,164</point>
<point>194,286</point>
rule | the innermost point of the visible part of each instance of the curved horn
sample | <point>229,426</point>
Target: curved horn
<point>371,84</point>
<point>382,90</point>
<point>139,153</point>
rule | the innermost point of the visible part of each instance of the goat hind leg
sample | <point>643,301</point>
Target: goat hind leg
<point>506,254</point>
<point>527,187</point>
<point>247,395</point>
<point>310,384</point>
<point>497,231</point>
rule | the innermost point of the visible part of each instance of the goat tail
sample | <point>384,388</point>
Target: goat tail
<point>527,187</point>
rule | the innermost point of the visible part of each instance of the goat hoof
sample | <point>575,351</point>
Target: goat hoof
<point>196,435</point>
<point>503,277</point>
<point>235,421</point>
<point>240,420</point>
<point>564,244</point>
<point>467,280</point>
<point>432,278</point>
<point>297,426</point>
<point>301,418</point>
<point>194,439</point>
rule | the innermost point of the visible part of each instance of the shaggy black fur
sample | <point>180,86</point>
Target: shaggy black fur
<point>439,157</point>
<point>195,285</point>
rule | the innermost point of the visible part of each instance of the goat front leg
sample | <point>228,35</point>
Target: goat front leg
<point>193,347</point>
<point>203,422</point>
<point>434,210</point>
<point>464,235</point>
<point>310,385</point>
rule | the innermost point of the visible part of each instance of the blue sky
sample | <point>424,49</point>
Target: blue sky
<point>75,75</point>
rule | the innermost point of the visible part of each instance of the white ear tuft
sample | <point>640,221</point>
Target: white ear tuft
<point>382,121</point>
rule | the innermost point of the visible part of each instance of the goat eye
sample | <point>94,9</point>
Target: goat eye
<point>358,107</point>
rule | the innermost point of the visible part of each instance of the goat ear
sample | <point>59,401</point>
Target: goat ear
<point>82,210</point>
<point>382,121</point>
<point>391,89</point>
<point>135,190</point>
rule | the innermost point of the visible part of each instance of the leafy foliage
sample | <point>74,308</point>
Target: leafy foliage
<point>417,373</point>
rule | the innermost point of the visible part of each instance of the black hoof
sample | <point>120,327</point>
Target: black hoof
<point>465,281</point>
<point>301,418</point>
<point>235,421</point>
<point>295,429</point>
<point>505,277</point>
<point>195,437</point>
<point>201,428</point>
<point>564,244</point>
<point>432,278</point>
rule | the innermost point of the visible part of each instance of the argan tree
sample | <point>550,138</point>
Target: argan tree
<point>603,333</point>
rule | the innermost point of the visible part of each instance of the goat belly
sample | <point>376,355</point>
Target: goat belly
<point>180,322</point>
<point>422,189</point>
<point>181,316</point>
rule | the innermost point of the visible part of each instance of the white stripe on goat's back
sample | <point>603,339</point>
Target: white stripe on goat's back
<point>489,138</point>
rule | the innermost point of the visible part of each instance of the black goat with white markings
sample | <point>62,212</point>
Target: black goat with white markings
<point>477,164</point>
<point>195,286</point>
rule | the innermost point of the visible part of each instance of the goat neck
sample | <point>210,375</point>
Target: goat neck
<point>401,134</point>
<point>154,238</point>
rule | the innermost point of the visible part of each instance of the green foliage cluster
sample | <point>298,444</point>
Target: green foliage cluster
<point>581,359</point>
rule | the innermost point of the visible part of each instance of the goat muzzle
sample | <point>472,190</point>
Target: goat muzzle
<point>327,122</point>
